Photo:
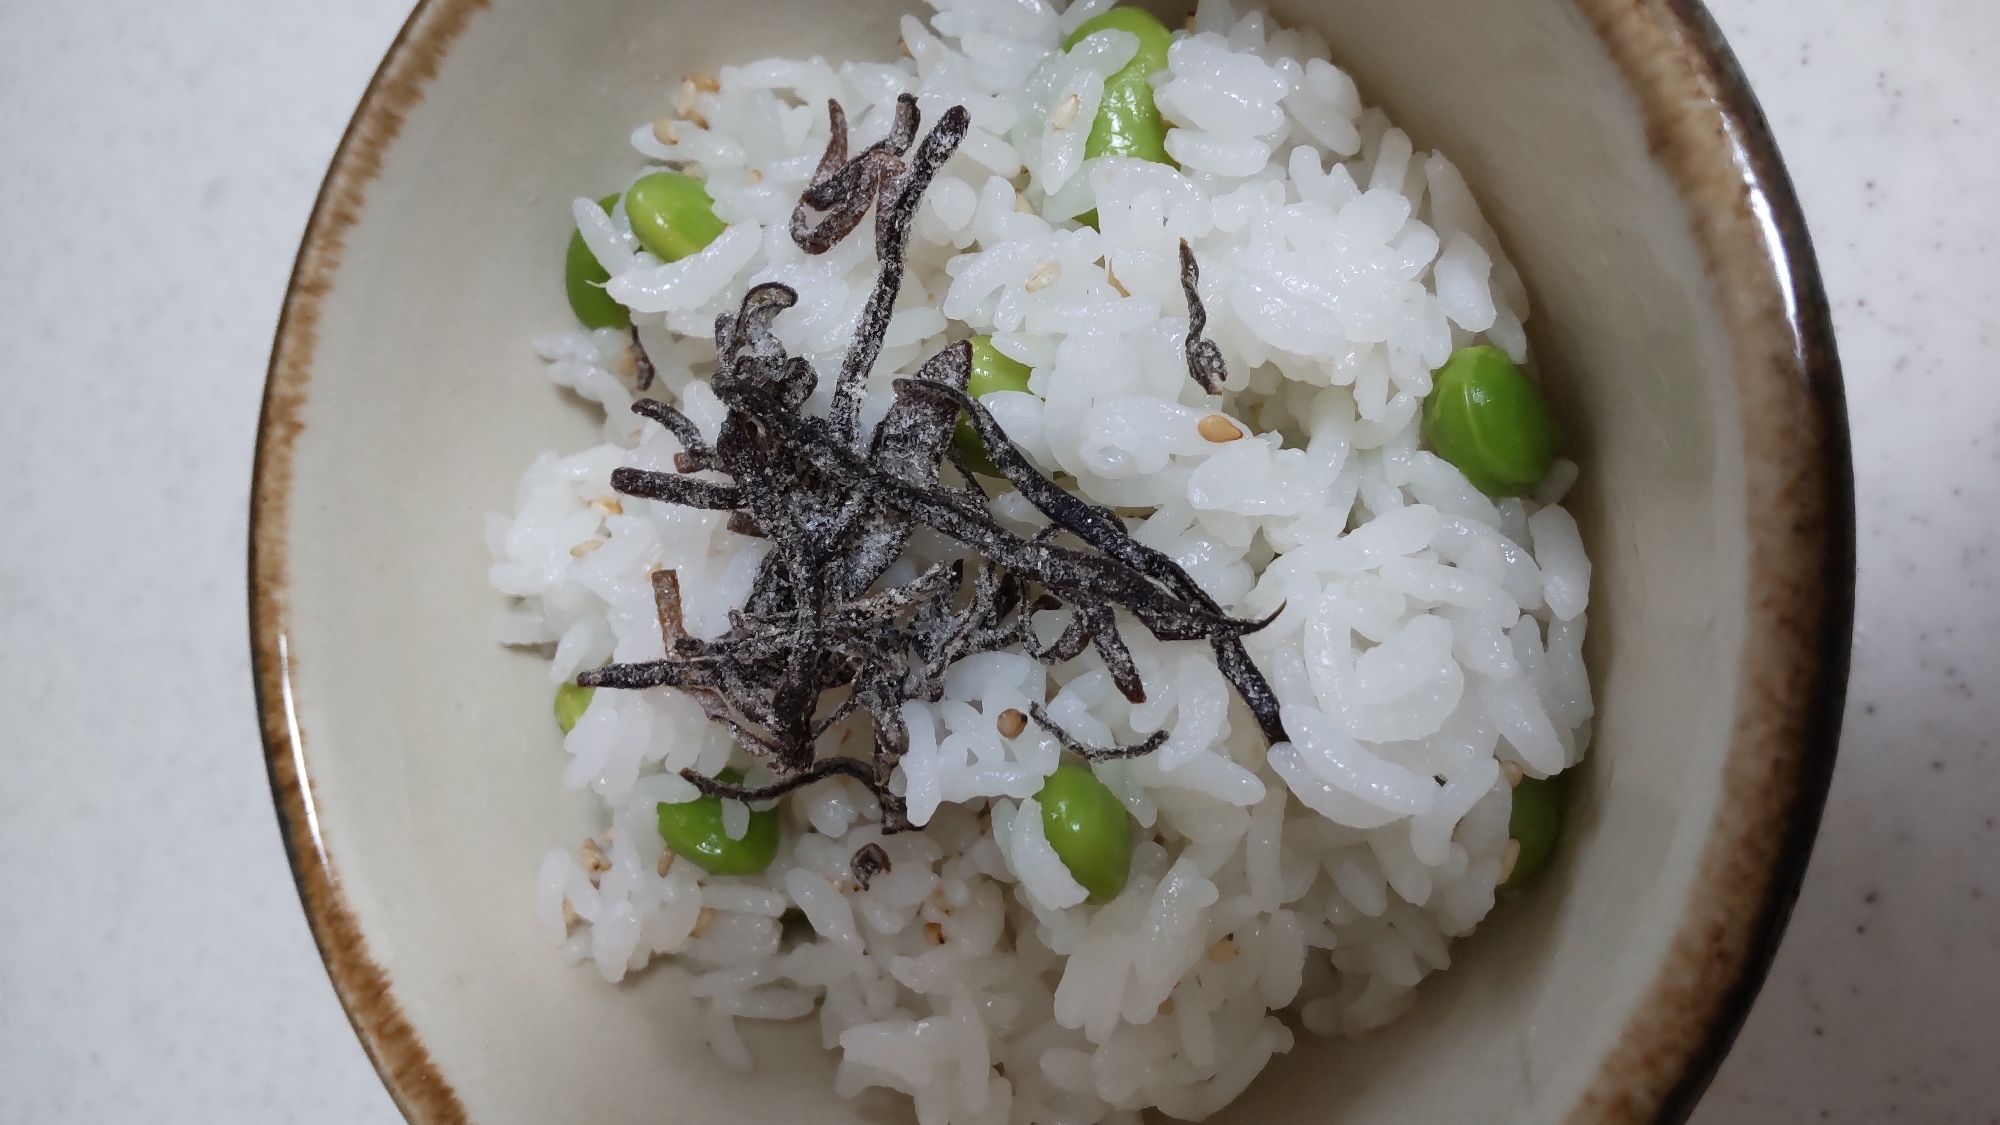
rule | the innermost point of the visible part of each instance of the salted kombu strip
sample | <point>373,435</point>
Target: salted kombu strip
<point>643,372</point>
<point>815,641</point>
<point>1084,749</point>
<point>1204,358</point>
<point>868,861</point>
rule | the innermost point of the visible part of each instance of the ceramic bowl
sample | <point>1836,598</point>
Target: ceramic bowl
<point>1685,342</point>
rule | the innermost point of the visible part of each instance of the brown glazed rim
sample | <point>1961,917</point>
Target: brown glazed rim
<point>406,1067</point>
<point>1705,128</point>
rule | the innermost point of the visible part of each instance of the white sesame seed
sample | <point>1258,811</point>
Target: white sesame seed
<point>1217,428</point>
<point>1064,115</point>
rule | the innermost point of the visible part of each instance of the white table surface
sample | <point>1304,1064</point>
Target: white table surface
<point>157,163</point>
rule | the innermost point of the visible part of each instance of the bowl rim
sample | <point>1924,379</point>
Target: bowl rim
<point>1707,131</point>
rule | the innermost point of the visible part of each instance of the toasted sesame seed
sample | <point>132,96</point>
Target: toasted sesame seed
<point>704,920</point>
<point>666,132</point>
<point>1045,275</point>
<point>1509,856</point>
<point>592,857</point>
<point>1064,115</point>
<point>570,916</point>
<point>1217,428</point>
<point>1011,723</point>
<point>934,932</point>
<point>585,547</point>
<point>705,83</point>
<point>606,506</point>
<point>685,98</point>
<point>665,863</point>
<point>1224,951</point>
<point>755,177</point>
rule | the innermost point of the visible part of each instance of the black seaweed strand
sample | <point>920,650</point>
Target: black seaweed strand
<point>1204,359</point>
<point>642,364</point>
<point>895,210</point>
<point>868,861</point>
<point>1077,746</point>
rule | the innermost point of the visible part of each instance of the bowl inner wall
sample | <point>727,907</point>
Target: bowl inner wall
<point>432,757</point>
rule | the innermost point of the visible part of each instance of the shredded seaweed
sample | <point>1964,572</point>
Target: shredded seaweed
<point>816,641</point>
<point>1091,753</point>
<point>1204,358</point>
<point>642,364</point>
<point>868,861</point>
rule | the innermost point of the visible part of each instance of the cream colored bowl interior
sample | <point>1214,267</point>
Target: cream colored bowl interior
<point>432,758</point>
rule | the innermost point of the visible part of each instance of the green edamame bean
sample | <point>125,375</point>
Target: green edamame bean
<point>694,829</point>
<point>584,278</point>
<point>1128,123</point>
<point>1536,822</point>
<point>1089,830</point>
<point>1489,421</point>
<point>994,370</point>
<point>672,215</point>
<point>991,371</point>
<point>571,701</point>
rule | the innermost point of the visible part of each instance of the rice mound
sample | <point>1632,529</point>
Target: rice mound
<point>1429,647</point>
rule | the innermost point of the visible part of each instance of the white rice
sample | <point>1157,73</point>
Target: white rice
<point>1428,634</point>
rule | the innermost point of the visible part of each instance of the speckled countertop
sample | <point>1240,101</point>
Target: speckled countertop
<point>157,163</point>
